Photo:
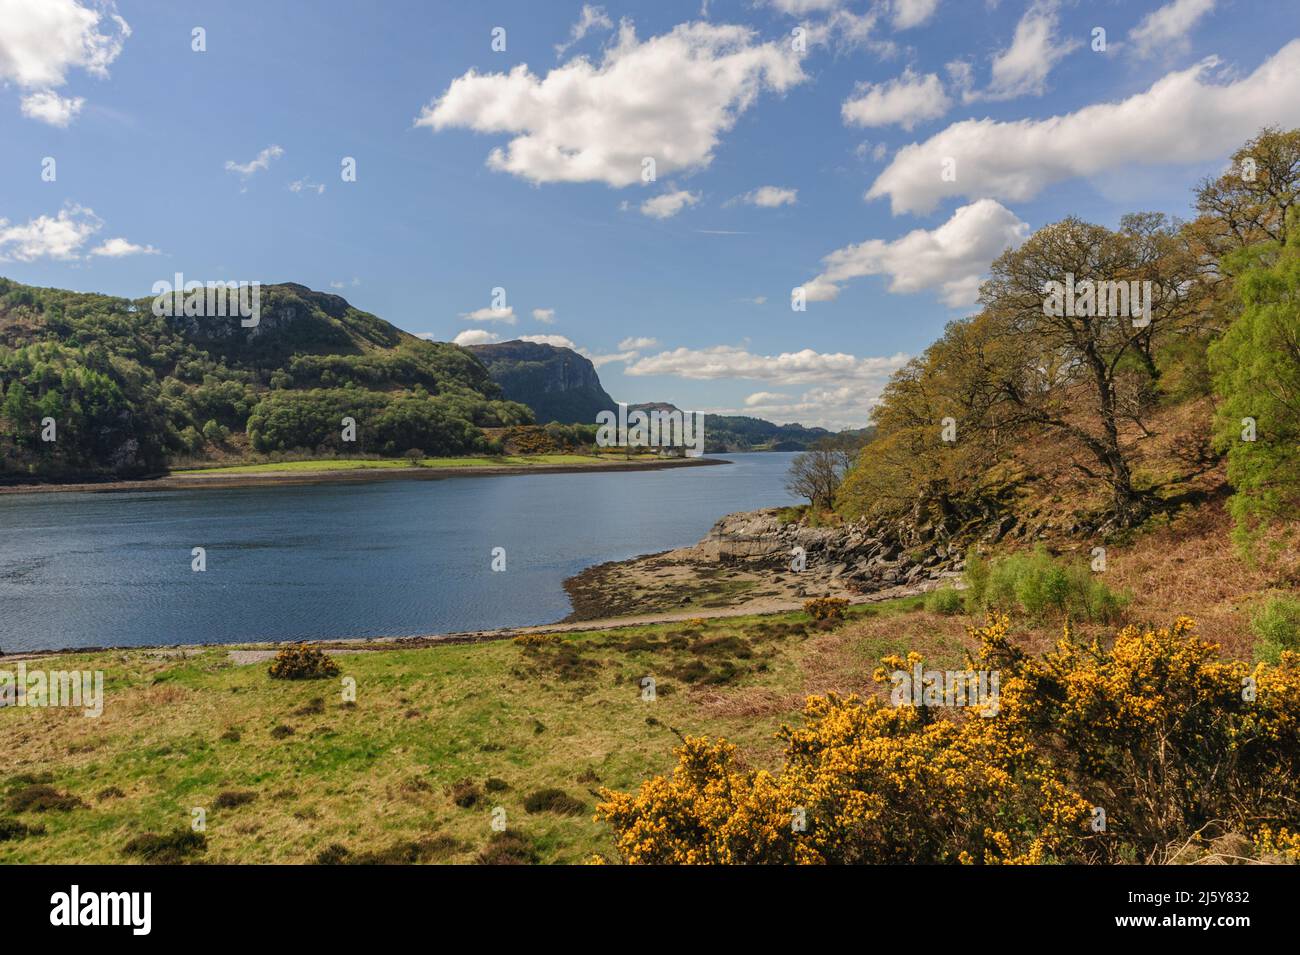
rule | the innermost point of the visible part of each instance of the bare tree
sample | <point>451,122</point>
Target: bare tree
<point>816,473</point>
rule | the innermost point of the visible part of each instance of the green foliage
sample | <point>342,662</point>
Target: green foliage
<point>128,389</point>
<point>946,601</point>
<point>1276,625</point>
<point>1257,374</point>
<point>1041,587</point>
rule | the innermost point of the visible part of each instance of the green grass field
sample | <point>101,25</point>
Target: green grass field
<point>438,738</point>
<point>355,464</point>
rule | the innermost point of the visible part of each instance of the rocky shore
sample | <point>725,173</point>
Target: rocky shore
<point>747,561</point>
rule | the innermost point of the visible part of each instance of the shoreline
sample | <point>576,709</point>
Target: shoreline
<point>178,482</point>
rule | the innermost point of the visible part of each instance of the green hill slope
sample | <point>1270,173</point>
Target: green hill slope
<point>129,392</point>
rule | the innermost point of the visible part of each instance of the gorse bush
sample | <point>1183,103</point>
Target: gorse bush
<point>1041,587</point>
<point>1174,744</point>
<point>302,662</point>
<point>1277,626</point>
<point>826,608</point>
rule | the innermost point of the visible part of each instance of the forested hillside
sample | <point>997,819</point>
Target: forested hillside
<point>1085,423</point>
<point>94,385</point>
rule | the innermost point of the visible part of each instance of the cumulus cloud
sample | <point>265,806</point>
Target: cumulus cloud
<point>60,236</point>
<point>559,341</point>
<point>506,315</point>
<point>951,258</point>
<point>261,161</point>
<point>912,13</point>
<point>1183,118</point>
<point>668,204</point>
<point>589,19</point>
<point>1022,68</point>
<point>472,336</point>
<point>1166,29</point>
<point>670,98</point>
<point>117,248</point>
<point>788,368</point>
<point>907,100</point>
<point>544,315</point>
<point>49,107</point>
<point>41,43</point>
<point>630,344</point>
<point>827,406</point>
<point>769,197</point>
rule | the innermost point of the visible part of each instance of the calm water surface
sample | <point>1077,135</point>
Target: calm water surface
<point>385,559</point>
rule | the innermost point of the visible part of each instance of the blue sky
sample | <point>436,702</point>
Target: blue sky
<point>472,177</point>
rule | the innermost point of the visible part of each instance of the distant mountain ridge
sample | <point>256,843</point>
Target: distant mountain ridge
<point>560,385</point>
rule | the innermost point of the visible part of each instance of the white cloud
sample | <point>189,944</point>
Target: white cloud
<point>826,406</point>
<point>341,284</point>
<point>506,315</point>
<point>473,336</point>
<point>49,237</point>
<point>670,97</point>
<point>1022,68</point>
<point>49,107</point>
<point>1165,30</point>
<point>634,344</point>
<point>951,258</point>
<point>260,162</point>
<point>306,185</point>
<point>1182,118</point>
<point>42,42</point>
<point>559,341</point>
<point>912,13</point>
<point>590,18</point>
<point>769,197</point>
<point>601,360</point>
<point>788,368</point>
<point>668,204</point>
<point>544,315</point>
<point>907,100</point>
<point>118,247</point>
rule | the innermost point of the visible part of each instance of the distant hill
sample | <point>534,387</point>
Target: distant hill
<point>743,433</point>
<point>131,393</point>
<point>560,385</point>
<point>557,383</point>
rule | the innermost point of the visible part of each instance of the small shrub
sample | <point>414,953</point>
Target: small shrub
<point>553,800</point>
<point>946,601</point>
<point>302,662</point>
<point>12,829</point>
<point>826,608</point>
<point>112,792</point>
<point>464,793</point>
<point>1042,587</point>
<point>313,707</point>
<point>230,736</point>
<point>1276,625</point>
<point>408,852</point>
<point>172,848</point>
<point>332,854</point>
<point>495,785</point>
<point>537,639</point>
<point>42,797</point>
<point>281,732</point>
<point>508,848</point>
<point>231,798</point>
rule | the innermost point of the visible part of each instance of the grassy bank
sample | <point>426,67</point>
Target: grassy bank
<point>437,738</point>
<point>361,464</point>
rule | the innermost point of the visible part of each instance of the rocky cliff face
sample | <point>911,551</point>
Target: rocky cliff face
<point>860,556</point>
<point>557,383</point>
